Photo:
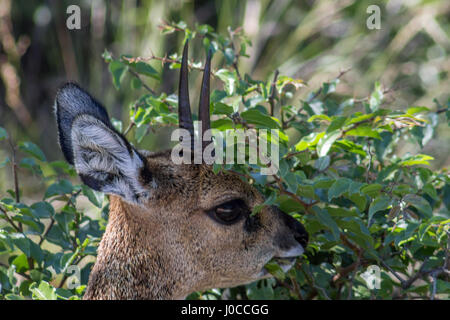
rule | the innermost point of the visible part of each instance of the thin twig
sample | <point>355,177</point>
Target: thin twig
<point>143,84</point>
<point>296,288</point>
<point>132,123</point>
<point>236,55</point>
<point>433,292</point>
<point>343,72</point>
<point>163,60</point>
<point>392,271</point>
<point>52,222</point>
<point>10,221</point>
<point>282,190</point>
<point>384,92</point>
<point>273,92</point>
<point>352,280</point>
<point>14,168</point>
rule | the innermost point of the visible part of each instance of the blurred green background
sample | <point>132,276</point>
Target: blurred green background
<point>309,40</point>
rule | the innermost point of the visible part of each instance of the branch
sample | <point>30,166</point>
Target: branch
<point>282,190</point>
<point>132,123</point>
<point>143,84</point>
<point>10,221</point>
<point>385,91</point>
<point>163,60</point>
<point>236,56</point>
<point>52,222</point>
<point>357,264</point>
<point>273,92</point>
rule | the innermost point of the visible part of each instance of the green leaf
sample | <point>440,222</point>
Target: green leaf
<point>306,191</point>
<point>59,188</point>
<point>327,221</point>
<point>136,83</point>
<point>309,141</point>
<point>322,163</point>
<point>414,110</point>
<point>359,200</point>
<point>42,210</point>
<point>319,117</point>
<point>96,198</point>
<point>117,70</point>
<point>229,78</point>
<point>372,190</point>
<point>22,243</point>
<point>222,124</point>
<point>336,124</point>
<point>326,142</point>
<point>359,232</point>
<point>339,187</point>
<point>32,149</point>
<point>417,159</point>
<point>229,55</point>
<point>29,221</point>
<point>107,56</point>
<point>21,263</point>
<point>359,117</point>
<point>419,203</point>
<point>323,183</point>
<point>355,187</point>
<point>117,124</point>
<point>145,69</point>
<point>30,164</point>
<point>380,203</point>
<point>43,292</point>
<point>222,108</point>
<point>330,87</point>
<point>376,97</point>
<point>403,189</point>
<point>364,131</point>
<point>288,205</point>
<point>11,296</point>
<point>431,191</point>
<point>36,252</point>
<point>342,212</point>
<point>350,146</point>
<point>275,270</point>
<point>255,116</point>
<point>140,132</point>
<point>218,95</point>
<point>204,29</point>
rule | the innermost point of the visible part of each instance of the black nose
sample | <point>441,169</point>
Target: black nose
<point>296,227</point>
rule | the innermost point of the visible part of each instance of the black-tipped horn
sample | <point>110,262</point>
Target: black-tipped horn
<point>184,107</point>
<point>203,108</point>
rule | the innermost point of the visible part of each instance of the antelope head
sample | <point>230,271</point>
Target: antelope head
<point>173,228</point>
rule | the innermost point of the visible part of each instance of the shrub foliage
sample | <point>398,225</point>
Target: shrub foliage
<point>365,206</point>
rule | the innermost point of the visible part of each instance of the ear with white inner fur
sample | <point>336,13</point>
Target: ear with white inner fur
<point>103,158</point>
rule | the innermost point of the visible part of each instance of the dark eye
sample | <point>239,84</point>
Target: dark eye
<point>229,212</point>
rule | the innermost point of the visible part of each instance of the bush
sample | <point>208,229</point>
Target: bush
<point>365,206</point>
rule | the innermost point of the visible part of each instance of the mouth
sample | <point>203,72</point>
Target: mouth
<point>285,264</point>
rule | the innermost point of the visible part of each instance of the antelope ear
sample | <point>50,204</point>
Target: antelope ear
<point>103,158</point>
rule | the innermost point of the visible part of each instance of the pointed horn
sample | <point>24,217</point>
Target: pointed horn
<point>184,107</point>
<point>203,108</point>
